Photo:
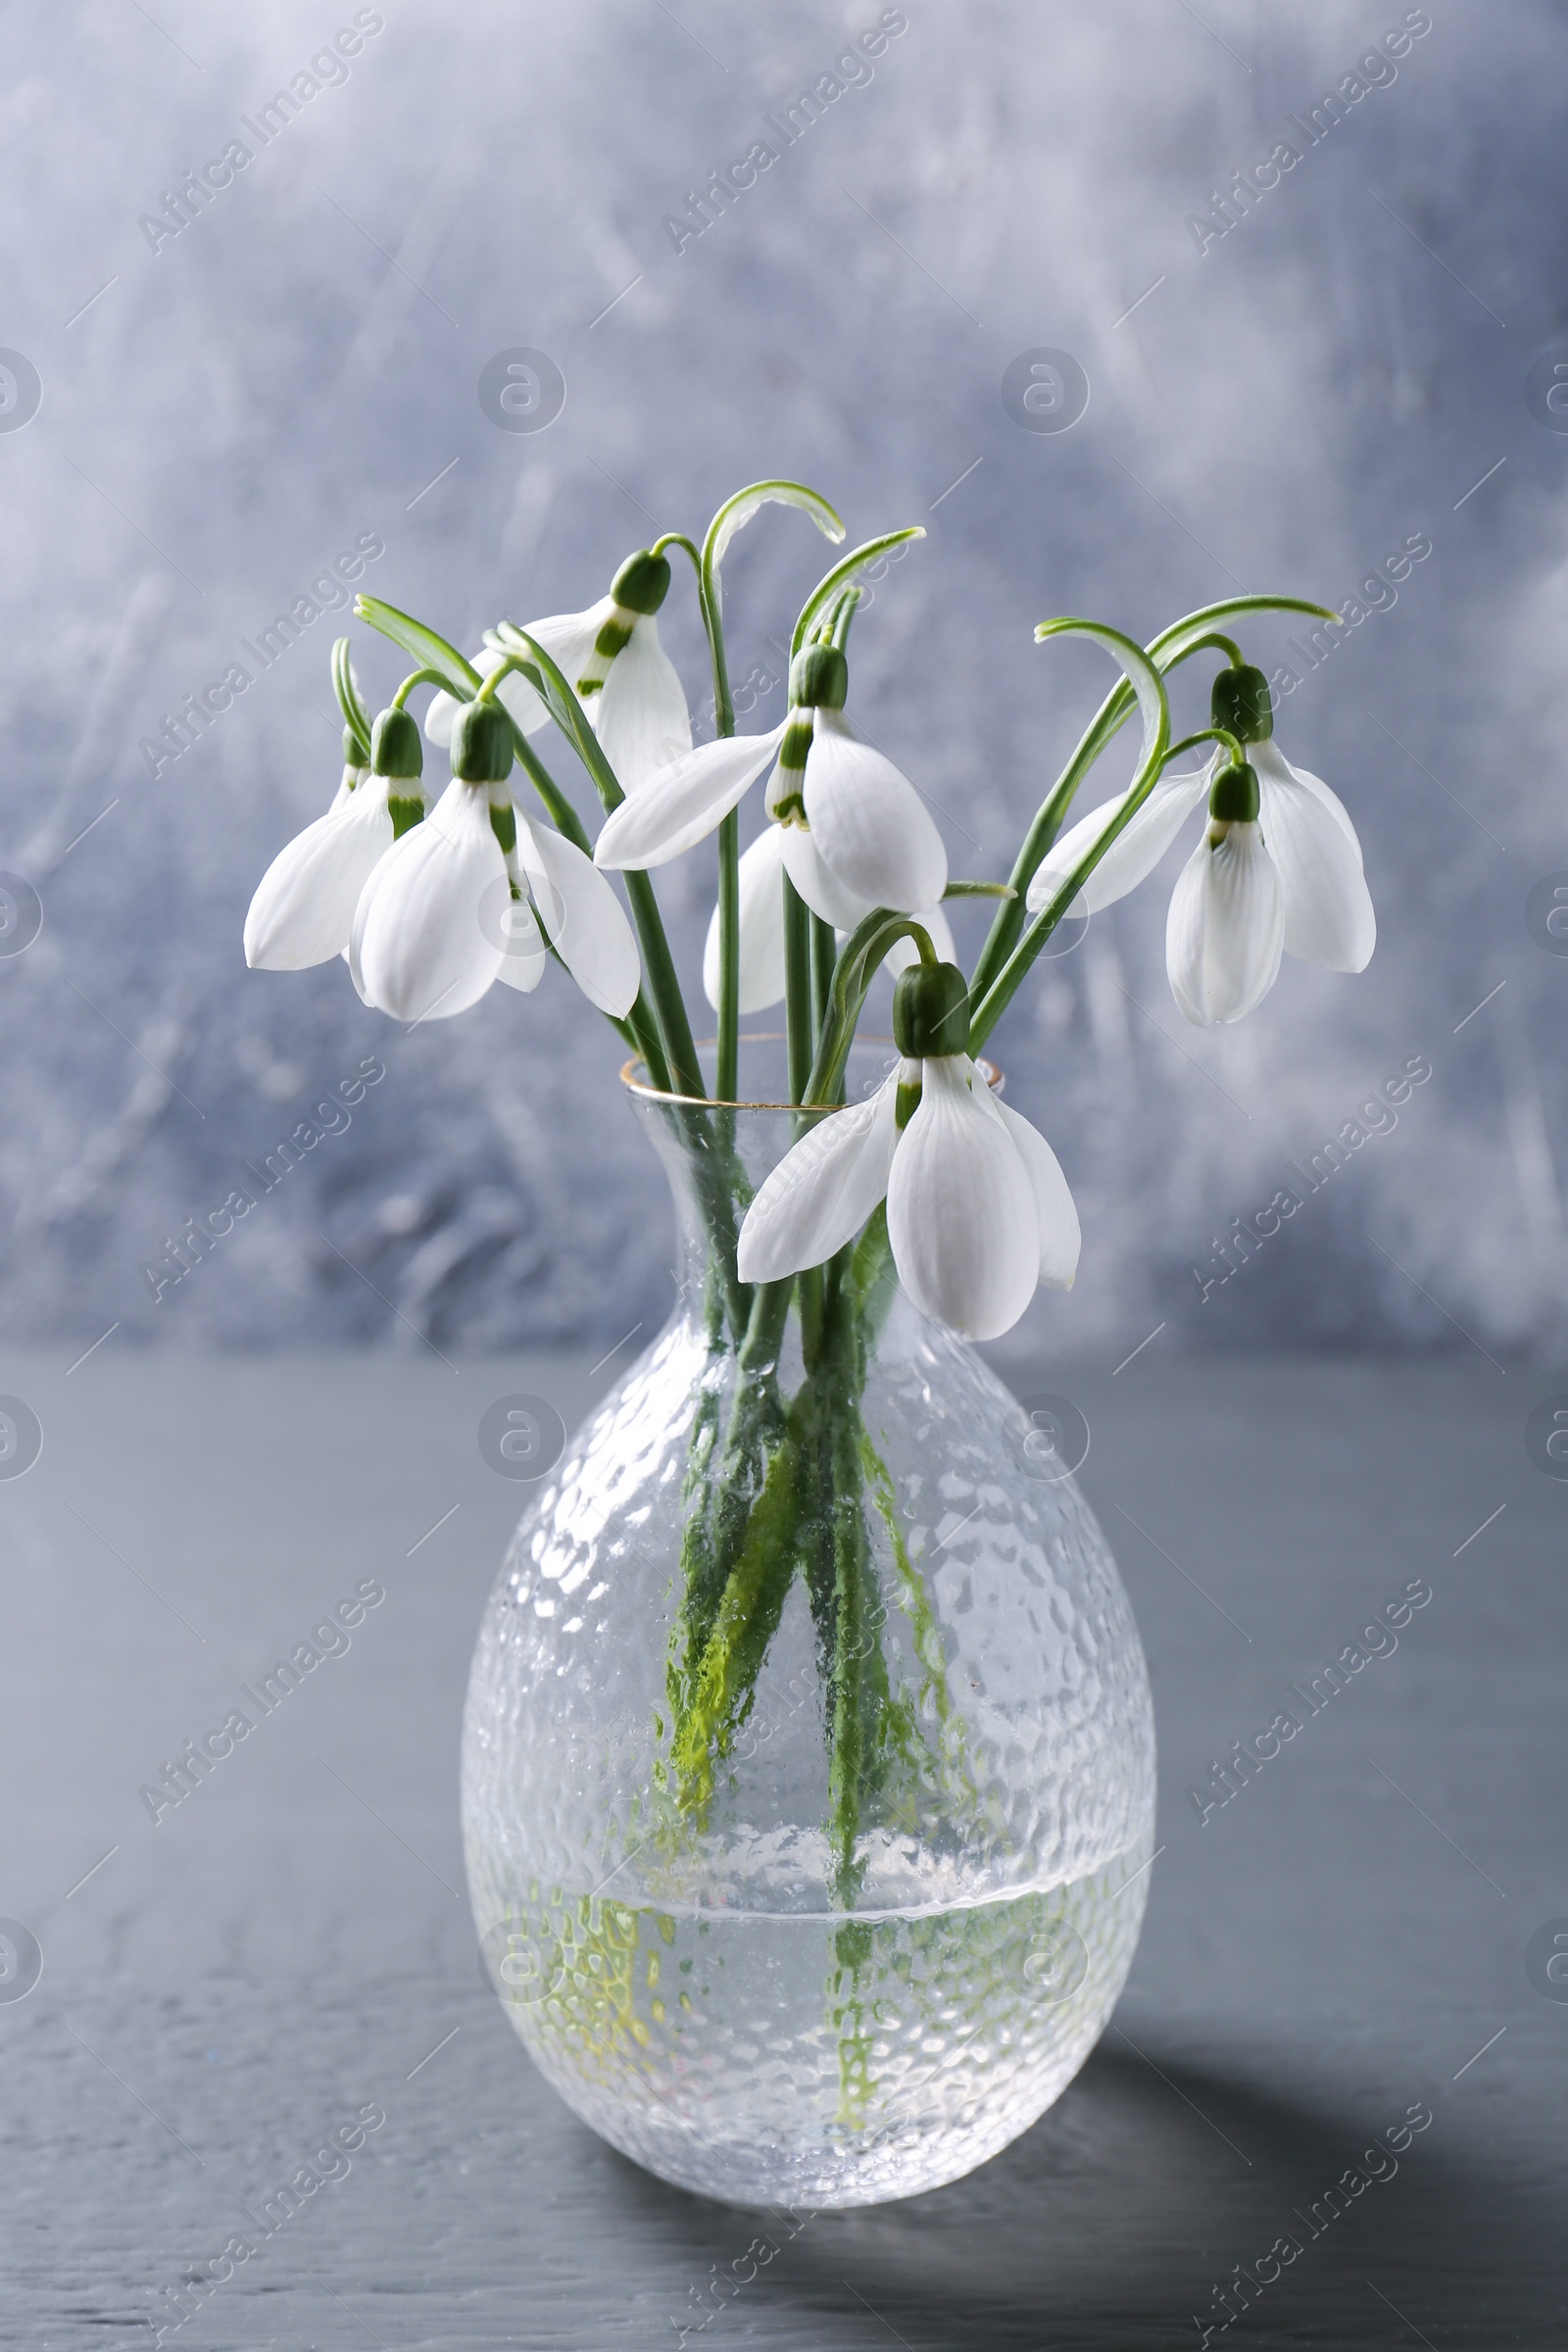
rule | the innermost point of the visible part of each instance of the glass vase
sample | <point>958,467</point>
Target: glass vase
<point>809,1765</point>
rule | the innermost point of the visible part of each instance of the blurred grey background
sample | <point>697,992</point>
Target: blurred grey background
<point>1286,391</point>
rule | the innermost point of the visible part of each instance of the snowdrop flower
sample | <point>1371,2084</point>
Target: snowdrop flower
<point>855,833</point>
<point>611,654</point>
<point>1278,869</point>
<point>303,910</point>
<point>442,916</point>
<point>979,1212</point>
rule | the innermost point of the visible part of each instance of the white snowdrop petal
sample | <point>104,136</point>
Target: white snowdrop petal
<point>672,811</point>
<point>303,910</point>
<point>1225,932</point>
<point>762,912</point>
<point>1272,768</point>
<point>1327,908</point>
<point>1060,1236</point>
<point>868,822</point>
<point>904,952</point>
<point>961,1214</point>
<point>587,925</point>
<point>817,884</point>
<point>568,639</point>
<point>421,949</point>
<point>640,715</point>
<point>1131,858</point>
<point>822,1190</point>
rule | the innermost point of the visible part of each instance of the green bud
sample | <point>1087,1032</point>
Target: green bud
<point>820,678</point>
<point>931,1011</point>
<point>1240,704</point>
<point>405,814</point>
<point>353,756</point>
<point>1233,796</point>
<point>642,583</point>
<point>481,744</point>
<point>395,746</point>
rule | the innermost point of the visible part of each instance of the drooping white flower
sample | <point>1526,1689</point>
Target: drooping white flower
<point>1225,931</point>
<point>444,916</point>
<point>979,1213</point>
<point>856,832</point>
<point>303,910</point>
<point>1287,878</point>
<point>612,656</point>
<point>304,903</point>
<point>421,948</point>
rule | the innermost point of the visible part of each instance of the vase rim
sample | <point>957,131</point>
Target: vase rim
<point>640,1086</point>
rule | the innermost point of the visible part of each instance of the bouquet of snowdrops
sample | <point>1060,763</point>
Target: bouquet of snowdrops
<point>933,1181</point>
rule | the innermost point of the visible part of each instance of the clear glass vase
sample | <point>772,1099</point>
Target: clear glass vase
<point>809,1764</point>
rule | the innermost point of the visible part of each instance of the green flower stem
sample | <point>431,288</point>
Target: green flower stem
<point>804,1514</point>
<point>843,1589</point>
<point>853,976</point>
<point>743,1626</point>
<point>680,1050</point>
<point>716,1534</point>
<point>1189,743</point>
<point>824,957</point>
<point>563,814</point>
<point>797,987</point>
<point>1215,643</point>
<point>726,1082</point>
<point>732,515</point>
<point>1172,646</point>
<point>416,677</point>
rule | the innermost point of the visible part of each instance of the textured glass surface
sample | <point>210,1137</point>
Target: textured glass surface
<point>699,1989</point>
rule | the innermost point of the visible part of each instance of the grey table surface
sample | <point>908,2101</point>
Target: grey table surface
<point>291,1944</point>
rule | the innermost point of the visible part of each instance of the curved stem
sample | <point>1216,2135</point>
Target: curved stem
<point>1172,646</point>
<point>864,951</point>
<point>1215,643</point>
<point>420,677</point>
<point>1233,743</point>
